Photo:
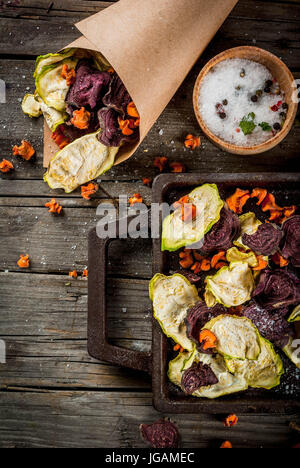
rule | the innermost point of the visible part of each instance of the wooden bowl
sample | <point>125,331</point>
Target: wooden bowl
<point>278,70</point>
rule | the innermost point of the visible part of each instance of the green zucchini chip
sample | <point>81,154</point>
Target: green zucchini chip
<point>292,350</point>
<point>237,337</point>
<point>49,59</point>
<point>176,233</point>
<point>227,384</point>
<point>53,117</point>
<point>31,106</point>
<point>51,86</point>
<point>235,255</point>
<point>249,225</point>
<point>264,372</point>
<point>295,315</point>
<point>231,286</point>
<point>79,162</point>
<point>172,296</point>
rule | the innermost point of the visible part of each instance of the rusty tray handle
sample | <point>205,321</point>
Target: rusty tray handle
<point>98,345</point>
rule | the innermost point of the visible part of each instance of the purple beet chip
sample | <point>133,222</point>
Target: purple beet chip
<point>198,375</point>
<point>190,276</point>
<point>277,288</point>
<point>222,234</point>
<point>89,87</point>
<point>196,319</point>
<point>161,434</point>
<point>272,325</point>
<point>291,241</point>
<point>111,134</point>
<point>265,241</point>
<point>117,97</point>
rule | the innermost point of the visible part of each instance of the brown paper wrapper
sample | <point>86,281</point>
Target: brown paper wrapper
<point>152,46</point>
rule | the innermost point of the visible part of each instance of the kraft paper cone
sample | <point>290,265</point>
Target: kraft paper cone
<point>152,46</point>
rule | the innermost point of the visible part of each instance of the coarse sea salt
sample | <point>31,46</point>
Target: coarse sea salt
<point>224,82</point>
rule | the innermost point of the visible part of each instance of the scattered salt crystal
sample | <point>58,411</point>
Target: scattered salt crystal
<point>225,82</point>
<point>161,132</point>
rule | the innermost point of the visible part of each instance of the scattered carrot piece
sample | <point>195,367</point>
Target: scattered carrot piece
<point>181,349</point>
<point>205,265</point>
<point>25,150</point>
<point>188,212</point>
<point>24,261</point>
<point>136,198</point>
<point>60,138</point>
<point>81,119</point>
<point>6,166</point>
<point>238,200</point>
<point>262,263</point>
<point>176,347</point>
<point>177,167</point>
<point>192,142</point>
<point>132,110</point>
<point>208,339</point>
<point>231,420</point>
<point>73,274</point>
<point>160,162</point>
<point>125,126</point>
<point>269,203</point>
<point>85,273</point>
<point>275,215</point>
<point>288,211</point>
<point>110,70</point>
<point>260,194</point>
<point>53,206</point>
<point>280,260</point>
<point>226,444</point>
<point>88,190</point>
<point>220,265</point>
<point>136,122</point>
<point>186,258</point>
<point>219,256</point>
<point>68,74</point>
<point>182,201</point>
<point>198,256</point>
<point>196,268</point>
<point>147,181</point>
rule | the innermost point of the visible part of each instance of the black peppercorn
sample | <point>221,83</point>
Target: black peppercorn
<point>254,98</point>
<point>277,126</point>
<point>258,92</point>
<point>242,74</point>
<point>222,115</point>
<point>285,106</point>
<point>269,83</point>
<point>225,102</point>
<point>267,90</point>
<point>283,115</point>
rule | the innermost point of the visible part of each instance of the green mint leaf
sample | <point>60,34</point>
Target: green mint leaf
<point>247,123</point>
<point>265,126</point>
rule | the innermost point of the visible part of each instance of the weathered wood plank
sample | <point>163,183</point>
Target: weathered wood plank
<point>15,192</point>
<point>63,363</point>
<point>112,419</point>
<point>59,243</point>
<point>43,322</point>
<point>54,306</point>
<point>258,9</point>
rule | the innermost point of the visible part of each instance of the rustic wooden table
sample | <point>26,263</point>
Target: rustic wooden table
<point>52,393</point>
